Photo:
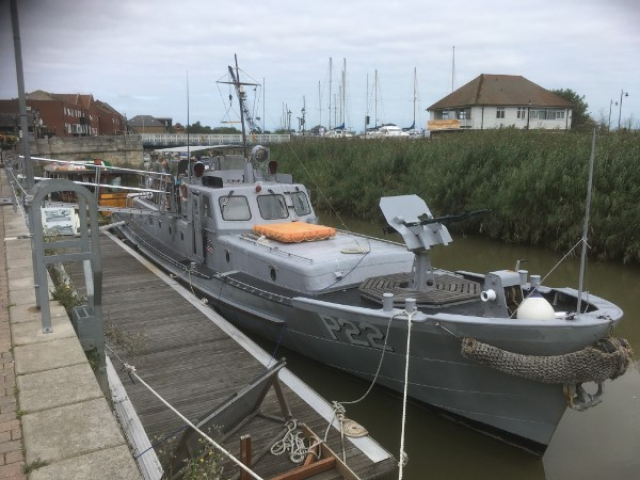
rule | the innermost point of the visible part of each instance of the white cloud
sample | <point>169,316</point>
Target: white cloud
<point>136,55</point>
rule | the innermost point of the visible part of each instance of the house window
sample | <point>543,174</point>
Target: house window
<point>522,113</point>
<point>500,112</point>
<point>559,114</point>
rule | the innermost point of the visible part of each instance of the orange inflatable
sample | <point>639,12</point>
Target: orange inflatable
<point>293,232</point>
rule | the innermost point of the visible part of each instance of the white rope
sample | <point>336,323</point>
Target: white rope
<point>293,442</point>
<point>132,371</point>
<point>403,457</point>
<point>339,412</point>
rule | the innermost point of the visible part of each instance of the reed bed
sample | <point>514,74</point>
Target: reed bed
<point>534,182</point>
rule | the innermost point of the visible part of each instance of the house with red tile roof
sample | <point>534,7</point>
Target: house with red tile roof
<point>498,101</point>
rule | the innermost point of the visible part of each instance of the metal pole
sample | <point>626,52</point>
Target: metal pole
<point>626,94</point>
<point>585,227</point>
<point>22,101</point>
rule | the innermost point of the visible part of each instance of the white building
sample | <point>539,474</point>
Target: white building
<point>495,101</point>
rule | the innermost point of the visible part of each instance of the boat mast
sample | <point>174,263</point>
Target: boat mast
<point>585,227</point>
<point>240,100</point>
<point>343,108</point>
<point>320,103</point>
<point>375,92</point>
<point>330,74</point>
<point>188,134</point>
<point>453,66</point>
<point>415,94</point>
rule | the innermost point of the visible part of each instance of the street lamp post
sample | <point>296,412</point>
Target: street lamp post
<point>622,94</point>
<point>611,103</point>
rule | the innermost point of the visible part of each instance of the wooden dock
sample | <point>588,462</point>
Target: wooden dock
<point>196,360</point>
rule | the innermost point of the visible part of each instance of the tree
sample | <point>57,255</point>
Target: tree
<point>581,118</point>
<point>197,128</point>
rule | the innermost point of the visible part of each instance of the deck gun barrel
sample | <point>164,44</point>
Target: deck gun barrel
<point>449,218</point>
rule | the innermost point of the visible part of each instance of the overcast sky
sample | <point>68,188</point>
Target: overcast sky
<point>137,55</point>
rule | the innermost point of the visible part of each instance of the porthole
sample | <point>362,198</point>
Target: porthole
<point>272,272</point>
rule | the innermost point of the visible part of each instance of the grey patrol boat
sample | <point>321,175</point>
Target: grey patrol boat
<point>497,350</point>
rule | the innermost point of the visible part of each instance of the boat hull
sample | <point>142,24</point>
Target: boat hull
<point>359,340</point>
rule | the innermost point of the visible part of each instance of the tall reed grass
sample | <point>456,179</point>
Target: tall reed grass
<point>535,182</point>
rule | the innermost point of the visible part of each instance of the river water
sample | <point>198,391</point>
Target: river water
<point>600,443</point>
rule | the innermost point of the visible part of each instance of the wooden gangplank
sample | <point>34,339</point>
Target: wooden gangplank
<point>196,365</point>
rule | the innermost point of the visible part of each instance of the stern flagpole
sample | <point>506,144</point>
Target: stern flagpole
<point>585,227</point>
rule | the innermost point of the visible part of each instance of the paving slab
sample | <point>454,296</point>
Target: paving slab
<point>17,248</point>
<point>27,333</point>
<point>57,388</point>
<point>22,296</point>
<point>20,279</point>
<point>30,313</point>
<point>113,464</point>
<point>21,263</point>
<point>39,357</point>
<point>50,436</point>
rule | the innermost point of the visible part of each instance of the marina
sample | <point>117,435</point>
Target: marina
<point>498,350</point>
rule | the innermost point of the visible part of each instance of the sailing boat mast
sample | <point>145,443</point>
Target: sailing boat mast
<point>343,108</point>
<point>375,93</point>
<point>415,94</point>
<point>330,79</point>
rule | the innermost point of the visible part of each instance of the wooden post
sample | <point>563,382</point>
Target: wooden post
<point>245,456</point>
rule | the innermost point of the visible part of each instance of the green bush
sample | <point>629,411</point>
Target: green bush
<point>535,182</point>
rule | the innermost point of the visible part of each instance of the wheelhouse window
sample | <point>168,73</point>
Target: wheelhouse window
<point>272,207</point>
<point>235,208</point>
<point>300,203</point>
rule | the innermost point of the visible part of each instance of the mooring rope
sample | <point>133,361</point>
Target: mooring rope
<point>403,457</point>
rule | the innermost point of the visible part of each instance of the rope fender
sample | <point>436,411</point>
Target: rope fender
<point>608,358</point>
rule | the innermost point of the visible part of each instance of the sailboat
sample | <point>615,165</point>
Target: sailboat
<point>498,350</point>
<point>412,129</point>
<point>339,131</point>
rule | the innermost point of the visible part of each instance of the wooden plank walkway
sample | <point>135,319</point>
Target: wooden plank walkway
<point>195,365</point>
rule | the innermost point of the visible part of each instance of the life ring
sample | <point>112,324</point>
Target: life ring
<point>184,191</point>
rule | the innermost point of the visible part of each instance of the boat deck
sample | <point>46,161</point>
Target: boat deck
<point>196,365</point>
<point>448,289</point>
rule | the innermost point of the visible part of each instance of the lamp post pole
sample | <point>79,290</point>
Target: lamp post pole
<point>622,94</point>
<point>611,103</point>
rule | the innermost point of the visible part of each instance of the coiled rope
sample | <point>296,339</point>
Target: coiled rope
<point>293,442</point>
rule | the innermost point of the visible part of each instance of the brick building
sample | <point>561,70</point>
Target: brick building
<point>66,115</point>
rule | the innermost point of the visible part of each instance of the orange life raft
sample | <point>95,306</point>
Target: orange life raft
<point>293,232</point>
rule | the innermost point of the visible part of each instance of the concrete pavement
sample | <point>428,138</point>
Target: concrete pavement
<point>55,422</point>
